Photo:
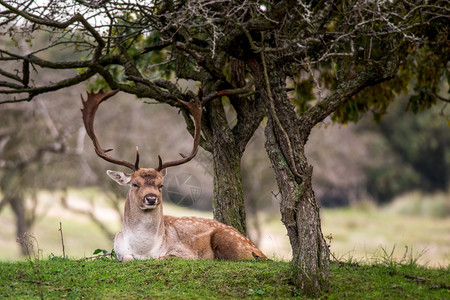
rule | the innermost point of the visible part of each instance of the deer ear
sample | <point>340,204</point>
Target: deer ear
<point>119,177</point>
<point>163,173</point>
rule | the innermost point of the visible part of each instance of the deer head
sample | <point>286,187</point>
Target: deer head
<point>145,184</point>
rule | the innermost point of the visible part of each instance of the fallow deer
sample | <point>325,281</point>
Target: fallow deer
<point>147,233</point>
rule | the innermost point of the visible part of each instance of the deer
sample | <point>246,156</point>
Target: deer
<point>146,232</point>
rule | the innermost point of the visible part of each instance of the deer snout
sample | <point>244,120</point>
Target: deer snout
<point>151,199</point>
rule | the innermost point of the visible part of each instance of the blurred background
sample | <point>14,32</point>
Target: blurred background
<point>383,187</point>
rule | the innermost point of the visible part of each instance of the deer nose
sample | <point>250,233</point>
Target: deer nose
<point>151,198</point>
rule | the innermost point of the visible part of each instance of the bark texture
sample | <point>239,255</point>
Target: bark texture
<point>228,202</point>
<point>226,139</point>
<point>285,141</point>
<point>300,215</point>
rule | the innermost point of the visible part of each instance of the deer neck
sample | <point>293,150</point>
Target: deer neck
<point>148,223</point>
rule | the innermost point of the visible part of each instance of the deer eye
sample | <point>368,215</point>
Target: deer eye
<point>135,185</point>
<point>160,186</point>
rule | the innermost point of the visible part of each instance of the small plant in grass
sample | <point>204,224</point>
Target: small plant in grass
<point>389,261</point>
<point>53,257</point>
<point>392,263</point>
<point>256,292</point>
<point>104,254</point>
<point>349,261</point>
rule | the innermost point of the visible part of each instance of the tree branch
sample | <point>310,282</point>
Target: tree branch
<point>246,90</point>
<point>343,93</point>
<point>34,91</point>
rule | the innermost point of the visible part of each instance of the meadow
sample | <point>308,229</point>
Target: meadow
<point>360,233</point>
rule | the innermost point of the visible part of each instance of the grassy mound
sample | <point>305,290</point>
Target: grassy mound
<point>57,278</point>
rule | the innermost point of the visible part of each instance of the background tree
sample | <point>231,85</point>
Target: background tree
<point>355,54</point>
<point>380,161</point>
<point>18,168</point>
<point>420,149</point>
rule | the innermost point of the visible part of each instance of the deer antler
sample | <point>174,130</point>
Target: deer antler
<point>89,109</point>
<point>195,108</point>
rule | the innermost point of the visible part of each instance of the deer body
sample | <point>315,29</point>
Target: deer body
<point>146,232</point>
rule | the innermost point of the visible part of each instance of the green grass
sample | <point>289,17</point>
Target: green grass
<point>57,278</point>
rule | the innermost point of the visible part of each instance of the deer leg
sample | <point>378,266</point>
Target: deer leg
<point>128,258</point>
<point>122,253</point>
<point>230,245</point>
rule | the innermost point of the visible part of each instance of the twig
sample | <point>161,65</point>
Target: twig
<point>319,88</point>
<point>98,256</point>
<point>415,278</point>
<point>62,240</point>
<point>440,286</point>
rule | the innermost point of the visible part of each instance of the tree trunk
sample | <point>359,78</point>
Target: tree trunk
<point>285,141</point>
<point>300,215</point>
<point>228,202</point>
<point>227,144</point>
<point>17,203</point>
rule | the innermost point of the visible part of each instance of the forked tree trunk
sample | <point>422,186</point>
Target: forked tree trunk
<point>285,141</point>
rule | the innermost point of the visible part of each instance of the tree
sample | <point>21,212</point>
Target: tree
<point>354,55</point>
<point>362,44</point>
<point>18,168</point>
